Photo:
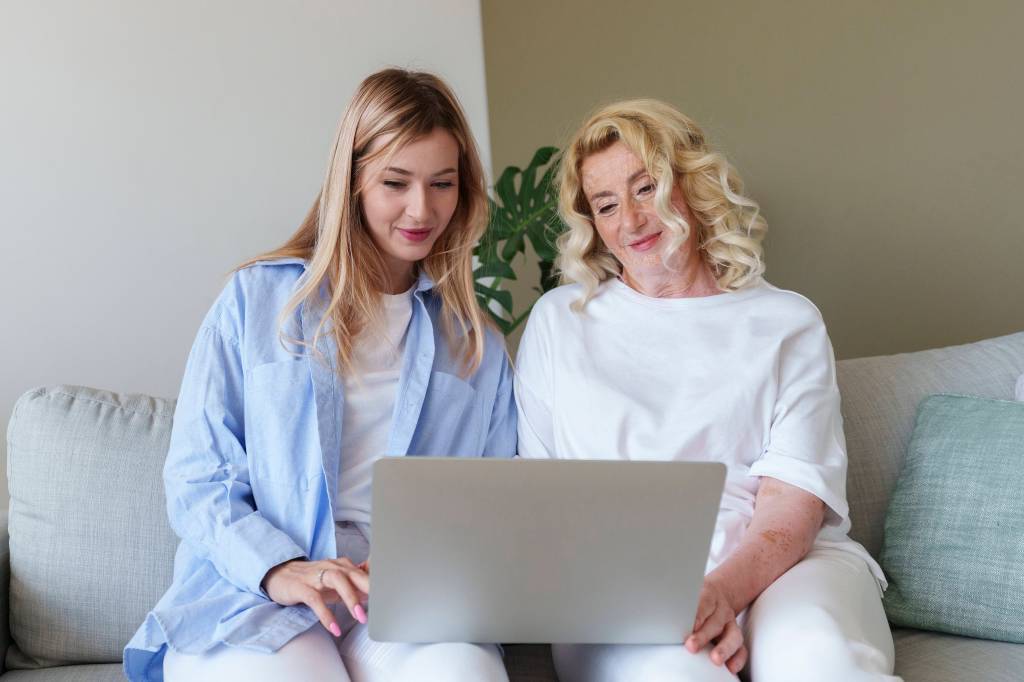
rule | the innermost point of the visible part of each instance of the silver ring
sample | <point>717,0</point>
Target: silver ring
<point>320,578</point>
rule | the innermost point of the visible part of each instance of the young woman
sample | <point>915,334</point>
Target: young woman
<point>669,345</point>
<point>358,338</point>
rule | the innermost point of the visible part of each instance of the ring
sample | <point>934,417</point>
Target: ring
<point>320,578</point>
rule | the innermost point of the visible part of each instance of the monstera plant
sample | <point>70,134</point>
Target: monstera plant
<point>523,210</point>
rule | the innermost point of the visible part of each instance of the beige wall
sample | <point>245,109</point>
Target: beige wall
<point>882,139</point>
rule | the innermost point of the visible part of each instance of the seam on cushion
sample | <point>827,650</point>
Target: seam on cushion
<point>52,392</point>
<point>973,397</point>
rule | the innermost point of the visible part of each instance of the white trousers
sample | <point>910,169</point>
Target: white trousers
<point>821,620</point>
<point>316,655</point>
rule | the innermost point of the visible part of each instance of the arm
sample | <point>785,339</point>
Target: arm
<point>785,523</point>
<point>206,475</point>
<point>501,428</point>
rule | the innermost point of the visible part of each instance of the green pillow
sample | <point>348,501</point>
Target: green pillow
<point>954,530</point>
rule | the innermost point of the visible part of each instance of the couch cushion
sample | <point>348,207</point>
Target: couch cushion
<point>109,672</point>
<point>934,657</point>
<point>91,549</point>
<point>879,402</point>
<point>954,532</point>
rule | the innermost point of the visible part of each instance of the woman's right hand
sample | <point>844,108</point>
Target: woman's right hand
<point>318,584</point>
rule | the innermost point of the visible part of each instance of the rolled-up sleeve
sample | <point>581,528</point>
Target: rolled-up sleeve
<point>206,475</point>
<point>806,447</point>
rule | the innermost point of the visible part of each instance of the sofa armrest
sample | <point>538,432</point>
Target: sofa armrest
<point>5,584</point>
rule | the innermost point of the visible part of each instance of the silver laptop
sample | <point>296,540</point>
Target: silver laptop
<point>515,551</point>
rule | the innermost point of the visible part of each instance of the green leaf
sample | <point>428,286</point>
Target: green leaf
<point>494,268</point>
<point>503,298</point>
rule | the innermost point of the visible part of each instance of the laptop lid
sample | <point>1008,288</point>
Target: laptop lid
<point>515,551</point>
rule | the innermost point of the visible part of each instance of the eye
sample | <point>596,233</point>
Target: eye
<point>606,209</point>
<point>394,184</point>
<point>646,189</point>
<point>444,184</point>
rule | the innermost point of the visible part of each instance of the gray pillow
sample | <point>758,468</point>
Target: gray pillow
<point>954,531</point>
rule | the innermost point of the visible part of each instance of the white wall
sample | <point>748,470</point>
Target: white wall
<point>147,148</point>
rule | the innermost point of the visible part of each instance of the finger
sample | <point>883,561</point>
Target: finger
<point>705,607</point>
<point>711,629</point>
<point>313,600</point>
<point>339,582</point>
<point>728,644</point>
<point>739,659</point>
<point>359,578</point>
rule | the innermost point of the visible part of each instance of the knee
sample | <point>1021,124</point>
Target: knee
<point>454,661</point>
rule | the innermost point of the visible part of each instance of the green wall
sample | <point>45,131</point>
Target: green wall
<point>882,139</point>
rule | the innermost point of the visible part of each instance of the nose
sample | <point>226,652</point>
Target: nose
<point>418,207</point>
<point>632,215</point>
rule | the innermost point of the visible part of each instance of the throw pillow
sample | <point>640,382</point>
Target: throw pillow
<point>954,530</point>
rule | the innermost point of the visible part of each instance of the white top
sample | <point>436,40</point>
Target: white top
<point>368,407</point>
<point>744,378</point>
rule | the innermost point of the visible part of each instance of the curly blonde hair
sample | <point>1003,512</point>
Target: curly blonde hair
<point>675,151</point>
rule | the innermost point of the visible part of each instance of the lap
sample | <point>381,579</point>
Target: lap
<point>822,619</point>
<point>655,662</point>
<point>355,658</point>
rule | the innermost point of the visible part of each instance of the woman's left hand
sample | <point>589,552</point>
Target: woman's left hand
<point>716,623</point>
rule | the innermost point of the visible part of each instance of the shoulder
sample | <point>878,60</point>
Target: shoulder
<point>253,290</point>
<point>556,303</point>
<point>790,308</point>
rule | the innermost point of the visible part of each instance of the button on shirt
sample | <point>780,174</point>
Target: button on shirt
<point>252,468</point>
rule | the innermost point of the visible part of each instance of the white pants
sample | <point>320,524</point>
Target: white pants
<point>821,620</point>
<point>316,655</point>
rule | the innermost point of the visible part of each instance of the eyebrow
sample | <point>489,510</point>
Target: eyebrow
<point>608,193</point>
<point>402,171</point>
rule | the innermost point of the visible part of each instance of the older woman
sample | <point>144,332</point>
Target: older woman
<point>668,345</point>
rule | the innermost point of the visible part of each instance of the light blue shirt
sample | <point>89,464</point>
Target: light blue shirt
<point>252,468</point>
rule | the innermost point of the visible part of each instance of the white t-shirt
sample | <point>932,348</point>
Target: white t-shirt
<point>368,407</point>
<point>744,378</point>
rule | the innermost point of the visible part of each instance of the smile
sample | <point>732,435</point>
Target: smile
<point>416,235</point>
<point>646,243</point>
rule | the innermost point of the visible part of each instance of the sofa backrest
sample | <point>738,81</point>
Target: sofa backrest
<point>91,549</point>
<point>880,396</point>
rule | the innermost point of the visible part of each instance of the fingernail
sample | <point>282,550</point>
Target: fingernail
<point>335,630</point>
<point>359,613</point>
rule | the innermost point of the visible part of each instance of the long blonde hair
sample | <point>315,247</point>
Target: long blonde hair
<point>674,151</point>
<point>336,243</point>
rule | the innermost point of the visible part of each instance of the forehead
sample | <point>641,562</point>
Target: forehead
<point>609,168</point>
<point>438,147</point>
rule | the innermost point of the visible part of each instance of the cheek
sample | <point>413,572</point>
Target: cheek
<point>608,234</point>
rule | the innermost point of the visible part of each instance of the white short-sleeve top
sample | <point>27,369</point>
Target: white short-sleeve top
<point>744,378</point>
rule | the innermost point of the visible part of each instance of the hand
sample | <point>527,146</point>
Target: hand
<point>716,622</point>
<point>319,583</point>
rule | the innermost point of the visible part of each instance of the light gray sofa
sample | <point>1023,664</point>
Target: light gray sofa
<point>90,549</point>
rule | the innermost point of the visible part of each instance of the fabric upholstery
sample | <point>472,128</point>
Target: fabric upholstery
<point>90,547</point>
<point>935,657</point>
<point>880,396</point>
<point>954,532</point>
<point>109,672</point>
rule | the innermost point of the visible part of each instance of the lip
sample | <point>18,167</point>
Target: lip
<point>645,244</point>
<point>417,235</point>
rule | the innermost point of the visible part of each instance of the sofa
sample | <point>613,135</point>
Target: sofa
<point>87,549</point>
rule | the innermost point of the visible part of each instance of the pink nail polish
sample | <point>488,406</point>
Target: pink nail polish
<point>335,630</point>
<point>360,614</point>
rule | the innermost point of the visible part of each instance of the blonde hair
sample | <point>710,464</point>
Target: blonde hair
<point>673,149</point>
<point>336,243</point>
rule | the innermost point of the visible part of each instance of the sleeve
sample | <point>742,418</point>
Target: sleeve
<point>206,474</point>
<point>501,430</point>
<point>533,390</point>
<point>806,447</point>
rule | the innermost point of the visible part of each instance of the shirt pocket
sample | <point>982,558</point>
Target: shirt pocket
<point>282,440</point>
<point>450,421</point>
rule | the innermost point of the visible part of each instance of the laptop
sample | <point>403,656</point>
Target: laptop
<point>522,550</point>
